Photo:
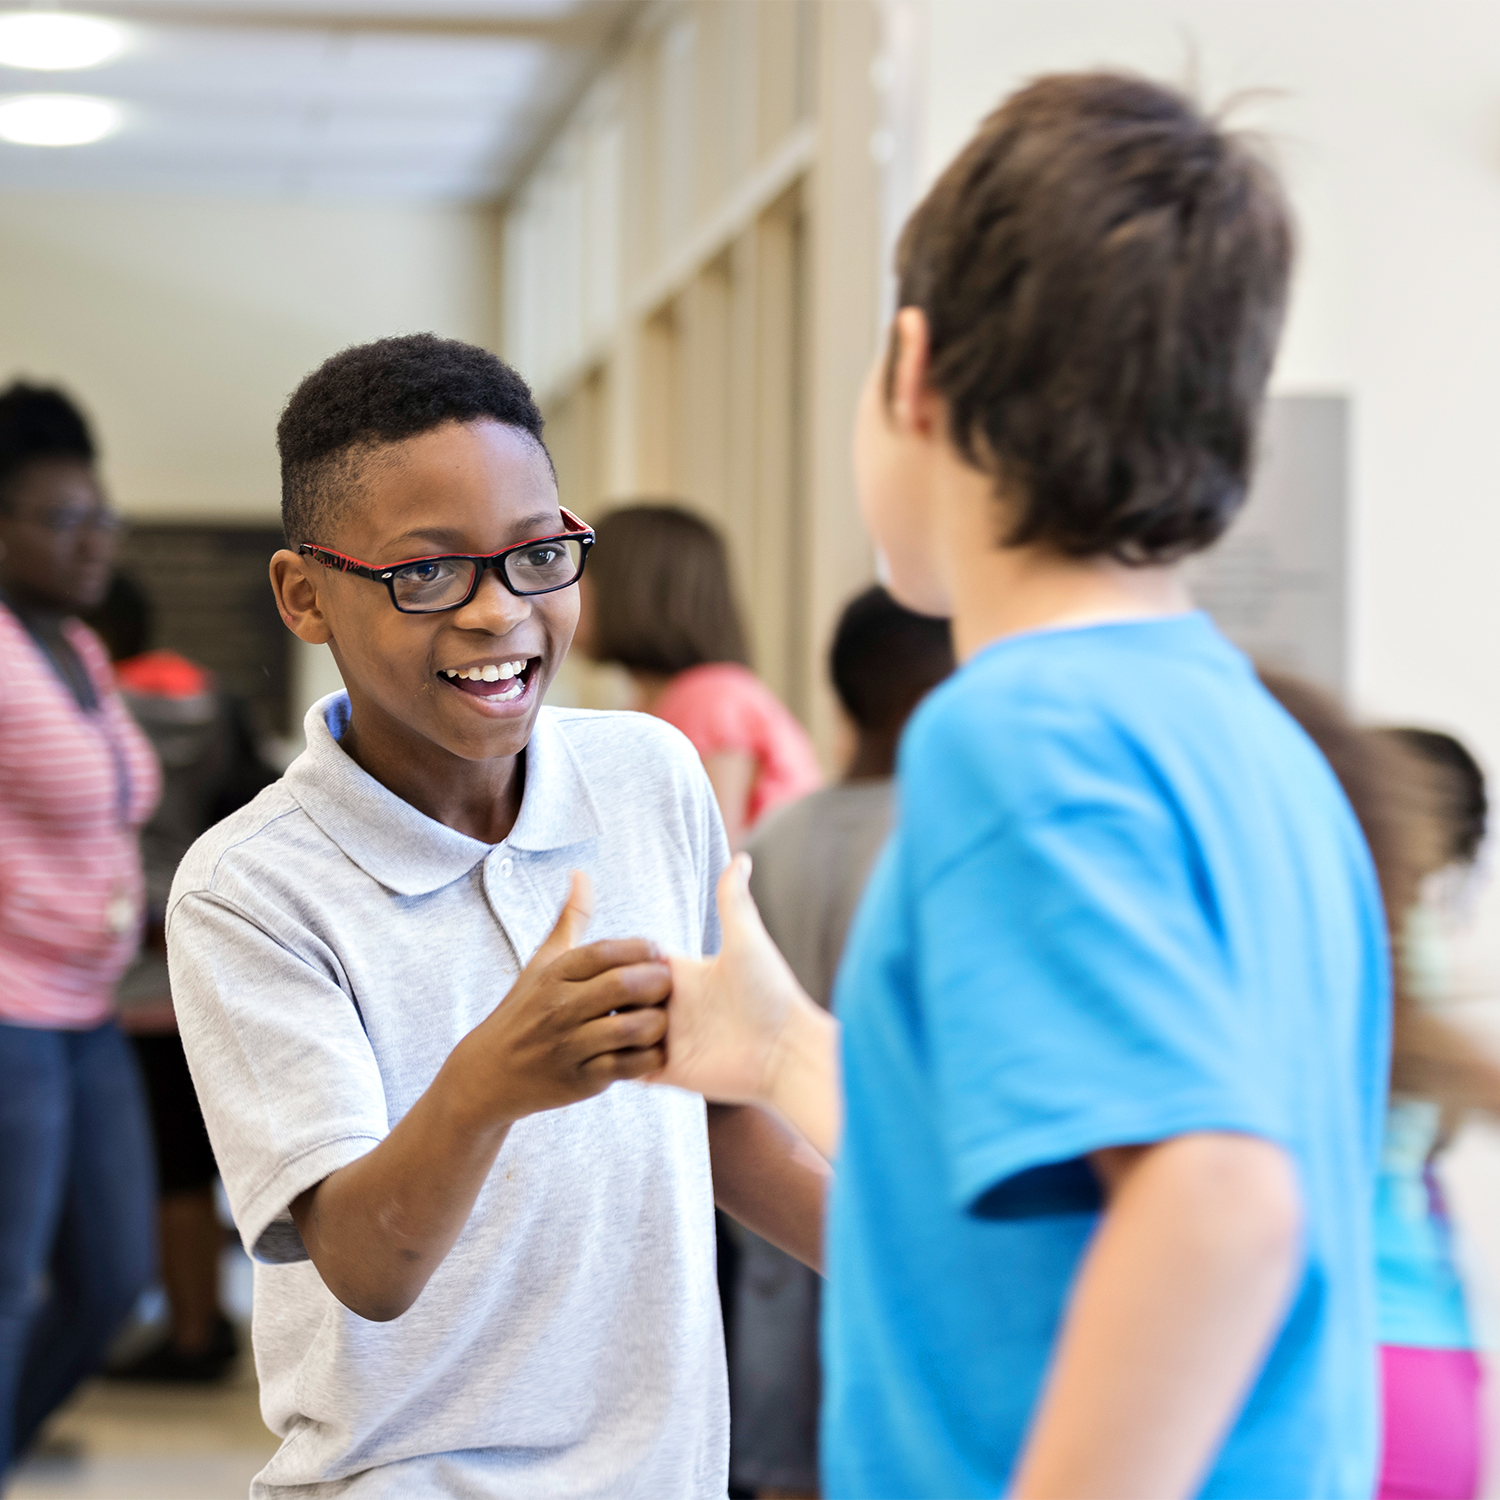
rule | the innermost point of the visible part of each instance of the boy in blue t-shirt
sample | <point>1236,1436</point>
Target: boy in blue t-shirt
<point>1112,1018</point>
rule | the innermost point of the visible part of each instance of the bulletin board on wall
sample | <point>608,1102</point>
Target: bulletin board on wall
<point>212,600</point>
<point>1278,584</point>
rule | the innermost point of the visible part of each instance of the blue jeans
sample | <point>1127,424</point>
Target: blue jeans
<point>77,1214</point>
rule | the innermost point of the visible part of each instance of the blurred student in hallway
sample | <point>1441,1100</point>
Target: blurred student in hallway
<point>1420,799</point>
<point>811,860</point>
<point>658,601</point>
<point>77,781</point>
<point>210,768</point>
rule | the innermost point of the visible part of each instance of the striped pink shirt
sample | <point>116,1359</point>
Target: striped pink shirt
<point>75,788</point>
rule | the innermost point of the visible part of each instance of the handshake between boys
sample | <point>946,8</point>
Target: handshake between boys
<point>579,1017</point>
<point>737,1028</point>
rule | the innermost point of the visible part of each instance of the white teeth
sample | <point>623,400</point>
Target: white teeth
<point>491,672</point>
<point>513,691</point>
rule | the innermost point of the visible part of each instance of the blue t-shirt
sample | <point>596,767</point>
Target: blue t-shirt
<point>1419,1296</point>
<point>1125,899</point>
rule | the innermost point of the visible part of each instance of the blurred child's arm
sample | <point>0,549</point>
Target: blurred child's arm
<point>575,1021</point>
<point>1175,1308</point>
<point>769,1179</point>
<point>741,1030</point>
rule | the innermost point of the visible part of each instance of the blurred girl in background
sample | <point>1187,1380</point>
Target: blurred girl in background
<point>77,781</point>
<point>657,600</point>
<point>1420,799</point>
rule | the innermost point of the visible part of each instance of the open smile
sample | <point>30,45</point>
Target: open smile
<point>499,681</point>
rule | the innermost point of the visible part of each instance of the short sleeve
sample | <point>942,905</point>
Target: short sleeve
<point>1075,994</point>
<point>713,855</point>
<point>289,1085</point>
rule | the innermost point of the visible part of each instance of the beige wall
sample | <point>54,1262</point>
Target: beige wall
<point>182,324</point>
<point>692,286</point>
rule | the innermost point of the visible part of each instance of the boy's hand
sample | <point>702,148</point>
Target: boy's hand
<point>575,1021</point>
<point>729,1019</point>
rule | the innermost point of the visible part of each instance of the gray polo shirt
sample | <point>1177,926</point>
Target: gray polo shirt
<point>329,947</point>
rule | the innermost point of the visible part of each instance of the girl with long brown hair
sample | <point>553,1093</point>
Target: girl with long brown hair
<point>1420,798</point>
<point>659,602</point>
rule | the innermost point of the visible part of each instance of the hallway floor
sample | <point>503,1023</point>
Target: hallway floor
<point>118,1441</point>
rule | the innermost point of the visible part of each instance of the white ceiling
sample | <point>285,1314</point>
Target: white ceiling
<point>432,99</point>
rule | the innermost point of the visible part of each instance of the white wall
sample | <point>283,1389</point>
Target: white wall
<point>182,325</point>
<point>1387,129</point>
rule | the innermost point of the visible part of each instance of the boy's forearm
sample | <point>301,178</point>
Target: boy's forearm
<point>806,1085</point>
<point>378,1228</point>
<point>769,1179</point>
<point>1175,1308</point>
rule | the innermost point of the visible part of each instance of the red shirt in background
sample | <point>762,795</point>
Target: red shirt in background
<point>75,788</point>
<point>723,707</point>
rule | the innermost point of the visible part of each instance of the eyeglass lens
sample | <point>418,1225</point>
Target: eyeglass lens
<point>443,582</point>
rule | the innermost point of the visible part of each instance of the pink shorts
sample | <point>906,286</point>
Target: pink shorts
<point>1432,1422</point>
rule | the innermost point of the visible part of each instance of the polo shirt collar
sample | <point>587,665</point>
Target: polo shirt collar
<point>405,850</point>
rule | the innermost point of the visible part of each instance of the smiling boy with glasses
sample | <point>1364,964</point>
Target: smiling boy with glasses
<point>480,1269</point>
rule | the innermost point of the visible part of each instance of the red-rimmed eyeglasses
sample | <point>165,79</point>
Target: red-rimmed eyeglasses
<point>430,585</point>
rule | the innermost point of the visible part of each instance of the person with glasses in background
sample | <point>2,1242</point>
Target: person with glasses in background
<point>77,782</point>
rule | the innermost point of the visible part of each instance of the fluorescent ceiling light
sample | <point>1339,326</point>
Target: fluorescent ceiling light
<point>57,120</point>
<point>51,40</point>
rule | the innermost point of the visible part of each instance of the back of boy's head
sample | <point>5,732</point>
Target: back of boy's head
<point>661,592</point>
<point>1104,272</point>
<point>38,422</point>
<point>885,659</point>
<point>372,395</point>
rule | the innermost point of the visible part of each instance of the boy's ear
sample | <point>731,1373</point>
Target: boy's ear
<point>913,404</point>
<point>296,589</point>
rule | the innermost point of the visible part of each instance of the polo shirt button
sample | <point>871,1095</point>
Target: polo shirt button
<point>506,867</point>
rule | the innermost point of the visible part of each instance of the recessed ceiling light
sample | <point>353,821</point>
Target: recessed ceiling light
<point>57,120</point>
<point>51,40</point>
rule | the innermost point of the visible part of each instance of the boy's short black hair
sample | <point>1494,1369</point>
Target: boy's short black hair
<point>885,659</point>
<point>373,394</point>
<point>1104,272</point>
<point>38,422</point>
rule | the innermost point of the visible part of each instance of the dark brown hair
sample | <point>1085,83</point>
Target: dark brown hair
<point>884,660</point>
<point>662,596</point>
<point>1387,786</point>
<point>1463,806</point>
<point>1104,272</point>
<point>38,422</point>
